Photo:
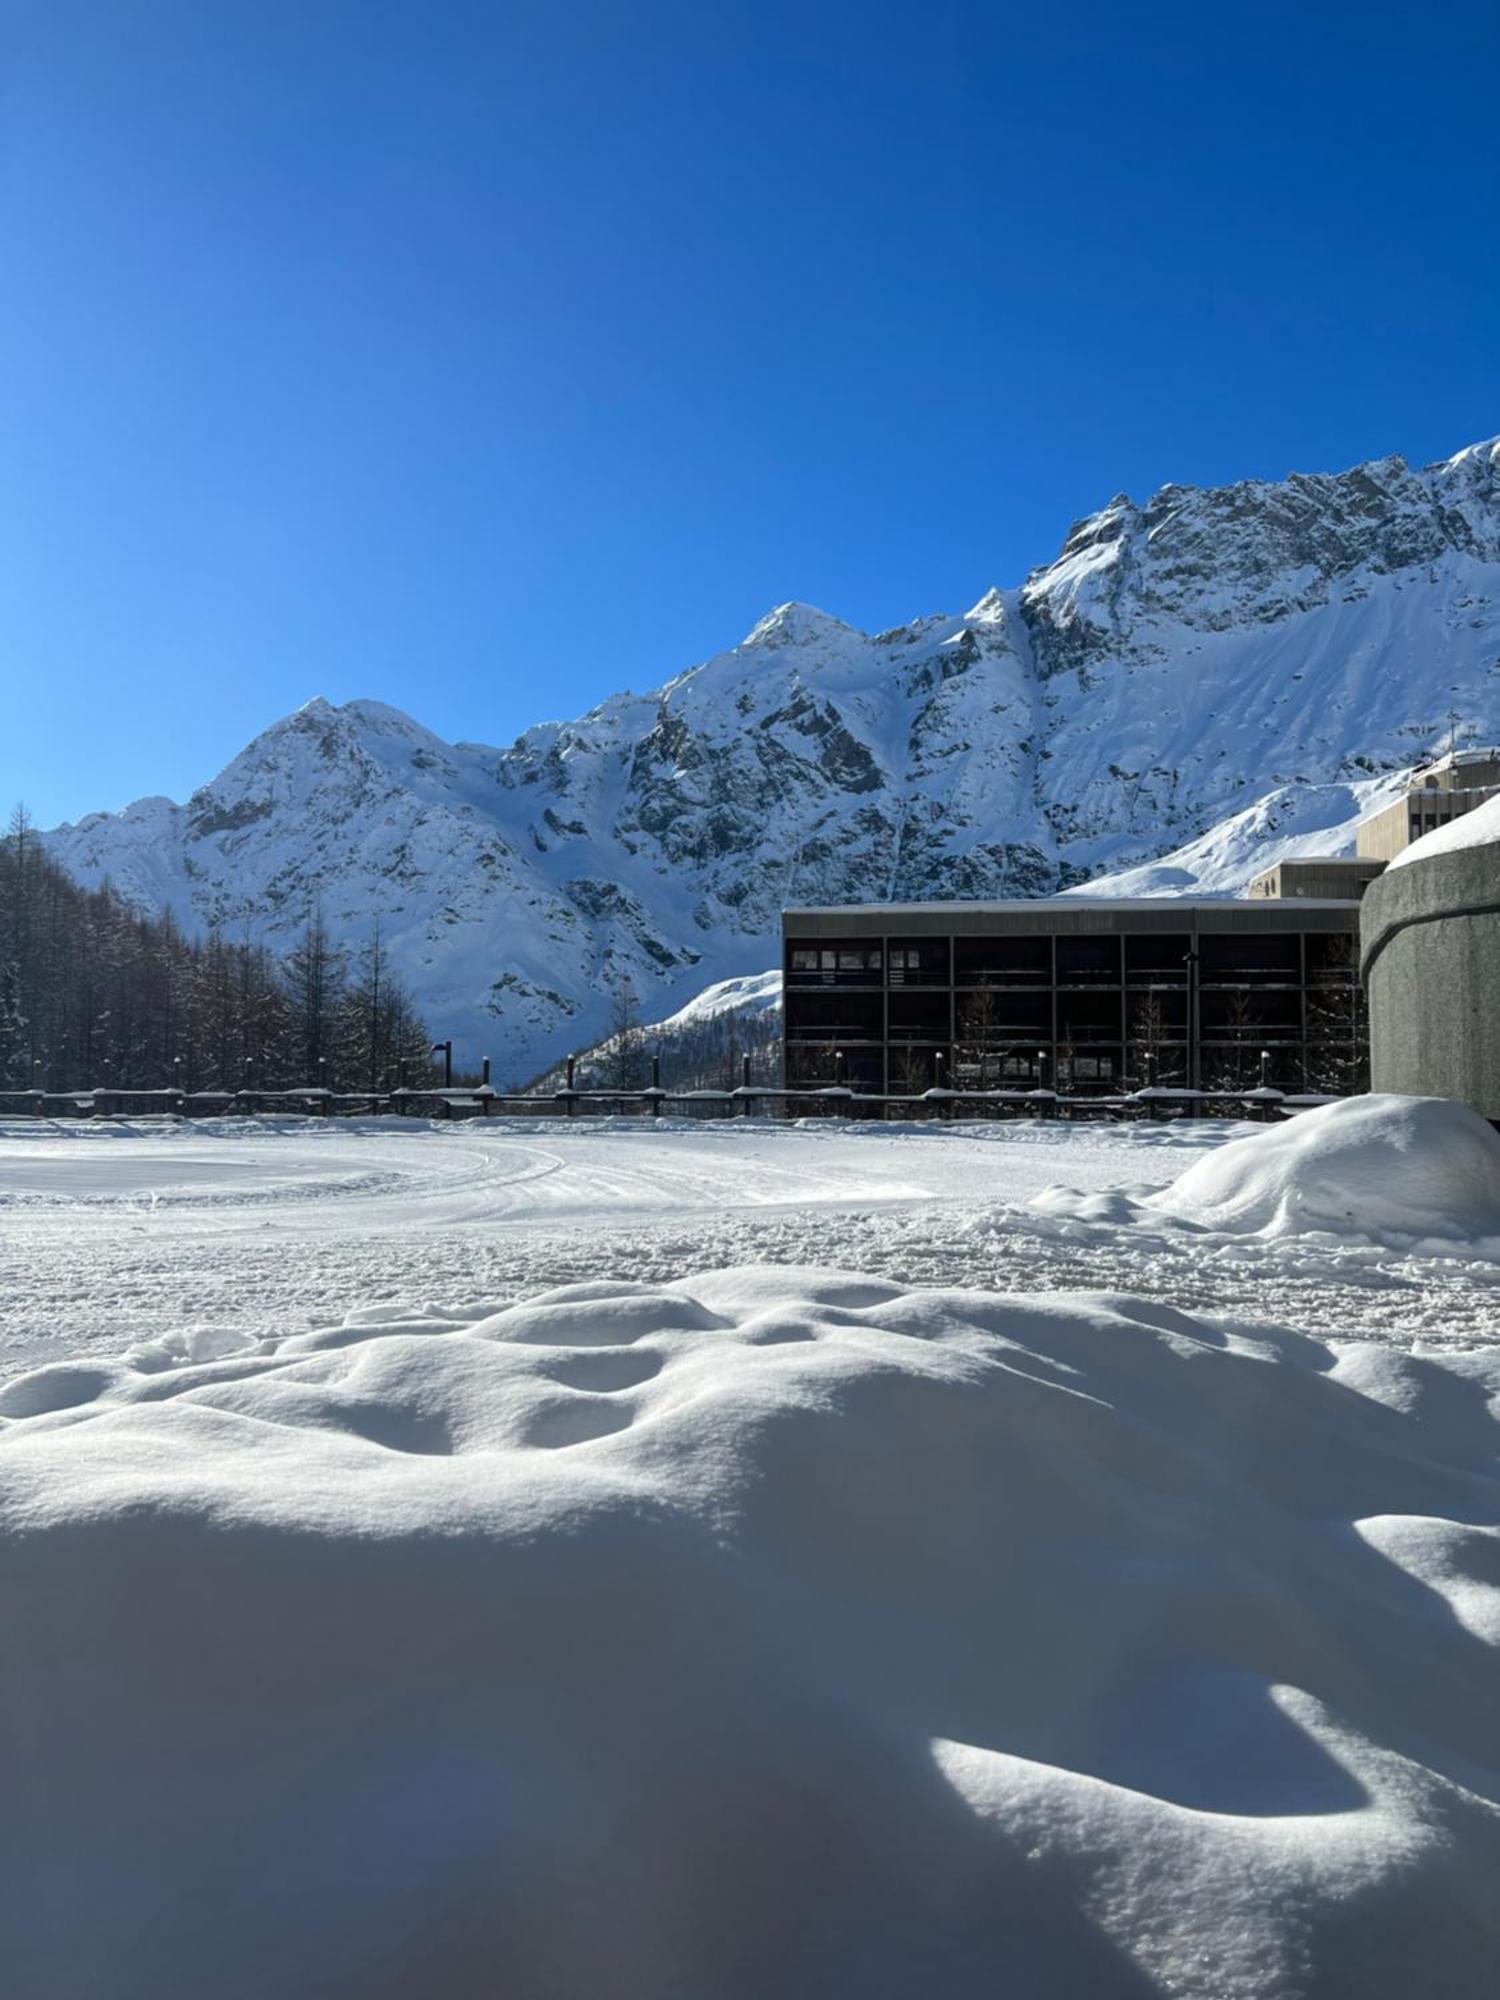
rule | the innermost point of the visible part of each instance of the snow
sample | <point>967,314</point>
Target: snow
<point>113,1233</point>
<point>258,1224</point>
<point>1471,829</point>
<point>1291,823</point>
<point>1413,1168</point>
<point>754,993</point>
<point>879,1567</point>
<point>1395,1197</point>
<point>772,1630</point>
<point>1193,690</point>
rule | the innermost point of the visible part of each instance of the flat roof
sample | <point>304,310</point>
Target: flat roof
<point>1300,861</point>
<point>1075,915</point>
<point>1032,905</point>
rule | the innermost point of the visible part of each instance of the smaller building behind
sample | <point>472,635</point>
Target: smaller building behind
<point>1440,792</point>
<point>1325,877</point>
<point>1436,794</point>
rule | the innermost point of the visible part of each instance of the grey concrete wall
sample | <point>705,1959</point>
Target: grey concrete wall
<point>1430,951</point>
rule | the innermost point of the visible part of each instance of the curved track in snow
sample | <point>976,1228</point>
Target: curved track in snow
<point>115,1234</point>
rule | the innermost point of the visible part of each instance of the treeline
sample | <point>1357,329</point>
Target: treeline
<point>93,994</point>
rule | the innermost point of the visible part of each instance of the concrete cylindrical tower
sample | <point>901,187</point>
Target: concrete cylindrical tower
<point>1430,956</point>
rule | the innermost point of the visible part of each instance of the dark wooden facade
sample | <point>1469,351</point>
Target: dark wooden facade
<point>1088,997</point>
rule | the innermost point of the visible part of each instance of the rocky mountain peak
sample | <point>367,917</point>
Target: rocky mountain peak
<point>1194,678</point>
<point>797,625</point>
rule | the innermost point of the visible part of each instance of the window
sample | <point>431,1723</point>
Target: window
<point>1003,961</point>
<point>919,961</point>
<point>1091,961</point>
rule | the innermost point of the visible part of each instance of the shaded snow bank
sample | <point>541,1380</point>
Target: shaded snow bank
<point>1407,1171</point>
<point>1379,1165</point>
<point>770,1631</point>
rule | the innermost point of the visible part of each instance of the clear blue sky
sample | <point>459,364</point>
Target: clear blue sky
<point>486,358</point>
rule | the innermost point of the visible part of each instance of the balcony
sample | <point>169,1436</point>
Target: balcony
<point>1038,977</point>
<point>870,981</point>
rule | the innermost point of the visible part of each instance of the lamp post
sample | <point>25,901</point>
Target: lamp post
<point>838,1067</point>
<point>1265,1068</point>
<point>445,1050</point>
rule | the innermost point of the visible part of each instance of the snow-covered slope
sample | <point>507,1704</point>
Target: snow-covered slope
<point>1291,820</point>
<point>753,993</point>
<point>1196,678</point>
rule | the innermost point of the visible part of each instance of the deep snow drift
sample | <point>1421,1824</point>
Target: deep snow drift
<point>1418,1172</point>
<point>771,1632</point>
<point>1381,1165</point>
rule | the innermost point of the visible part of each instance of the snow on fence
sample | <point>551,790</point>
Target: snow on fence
<point>755,1100</point>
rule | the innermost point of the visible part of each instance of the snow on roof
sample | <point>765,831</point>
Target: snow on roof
<point>1453,760</point>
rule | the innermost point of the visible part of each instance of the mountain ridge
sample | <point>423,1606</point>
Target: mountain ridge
<point>1192,681</point>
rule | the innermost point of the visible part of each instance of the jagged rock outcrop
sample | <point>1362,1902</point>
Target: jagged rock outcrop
<point>1187,678</point>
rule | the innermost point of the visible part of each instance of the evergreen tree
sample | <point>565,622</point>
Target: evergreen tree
<point>315,980</point>
<point>623,1055</point>
<point>380,1034</point>
<point>95,994</point>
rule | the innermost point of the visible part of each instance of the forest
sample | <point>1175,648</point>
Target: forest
<point>95,994</point>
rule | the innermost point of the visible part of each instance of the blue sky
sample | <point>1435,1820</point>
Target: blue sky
<point>487,358</point>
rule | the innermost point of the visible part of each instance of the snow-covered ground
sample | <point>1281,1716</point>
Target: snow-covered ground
<point>111,1234</point>
<point>511,1559</point>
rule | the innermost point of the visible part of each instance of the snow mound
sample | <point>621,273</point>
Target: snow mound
<point>1478,828</point>
<point>772,1631</point>
<point>1377,1166</point>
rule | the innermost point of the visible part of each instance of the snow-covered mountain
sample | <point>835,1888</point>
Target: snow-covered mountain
<point>1192,687</point>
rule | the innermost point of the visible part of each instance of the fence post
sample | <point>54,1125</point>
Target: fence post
<point>572,1102</point>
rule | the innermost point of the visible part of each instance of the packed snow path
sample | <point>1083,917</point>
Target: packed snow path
<point>775,1632</point>
<point>110,1234</point>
